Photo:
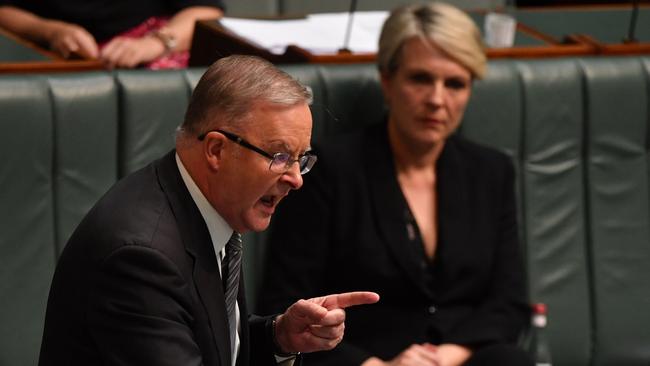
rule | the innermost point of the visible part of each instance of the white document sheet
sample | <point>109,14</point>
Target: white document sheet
<point>318,33</point>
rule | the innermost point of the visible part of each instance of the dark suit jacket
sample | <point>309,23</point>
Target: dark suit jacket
<point>349,228</point>
<point>138,284</point>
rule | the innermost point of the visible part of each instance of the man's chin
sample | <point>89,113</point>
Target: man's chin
<point>259,223</point>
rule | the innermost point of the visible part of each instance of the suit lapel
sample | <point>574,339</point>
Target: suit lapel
<point>198,244</point>
<point>389,205</point>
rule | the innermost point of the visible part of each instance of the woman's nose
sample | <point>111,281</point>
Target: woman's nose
<point>436,94</point>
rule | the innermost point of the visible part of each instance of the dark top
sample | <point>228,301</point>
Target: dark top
<point>349,228</point>
<point>105,19</point>
<point>138,284</point>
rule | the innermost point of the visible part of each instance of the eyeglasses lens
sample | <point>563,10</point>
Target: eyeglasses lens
<point>282,162</point>
<point>279,162</point>
<point>306,163</point>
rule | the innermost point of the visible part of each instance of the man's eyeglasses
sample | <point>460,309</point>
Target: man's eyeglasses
<point>280,162</point>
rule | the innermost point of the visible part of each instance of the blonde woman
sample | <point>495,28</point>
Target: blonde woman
<point>410,211</point>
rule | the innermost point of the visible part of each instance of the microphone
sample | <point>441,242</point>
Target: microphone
<point>348,31</point>
<point>635,14</point>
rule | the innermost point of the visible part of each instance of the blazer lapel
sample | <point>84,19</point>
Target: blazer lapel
<point>453,204</point>
<point>389,205</point>
<point>198,244</point>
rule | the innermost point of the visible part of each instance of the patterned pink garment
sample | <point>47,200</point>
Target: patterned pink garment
<point>176,60</point>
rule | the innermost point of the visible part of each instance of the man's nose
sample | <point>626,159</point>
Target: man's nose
<point>292,176</point>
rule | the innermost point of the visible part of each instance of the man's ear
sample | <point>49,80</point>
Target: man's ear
<point>213,150</point>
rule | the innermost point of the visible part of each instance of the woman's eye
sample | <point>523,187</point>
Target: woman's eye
<point>456,84</point>
<point>420,78</point>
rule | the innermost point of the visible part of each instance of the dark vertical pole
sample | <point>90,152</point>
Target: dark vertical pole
<point>348,31</point>
<point>631,38</point>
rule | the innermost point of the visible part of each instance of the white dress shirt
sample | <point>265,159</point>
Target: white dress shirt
<point>220,233</point>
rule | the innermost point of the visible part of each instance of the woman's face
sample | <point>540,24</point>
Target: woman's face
<point>427,94</point>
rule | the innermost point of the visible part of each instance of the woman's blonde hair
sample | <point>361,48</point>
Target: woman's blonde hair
<point>446,26</point>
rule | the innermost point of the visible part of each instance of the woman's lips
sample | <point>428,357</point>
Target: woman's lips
<point>431,121</point>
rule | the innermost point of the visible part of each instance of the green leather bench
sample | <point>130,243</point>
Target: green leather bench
<point>578,131</point>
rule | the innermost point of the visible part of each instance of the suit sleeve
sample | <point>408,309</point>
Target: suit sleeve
<point>504,312</point>
<point>146,322</point>
<point>262,346</point>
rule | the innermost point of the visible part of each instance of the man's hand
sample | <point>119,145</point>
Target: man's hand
<point>317,324</point>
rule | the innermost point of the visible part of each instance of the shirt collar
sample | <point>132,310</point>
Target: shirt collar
<point>219,229</point>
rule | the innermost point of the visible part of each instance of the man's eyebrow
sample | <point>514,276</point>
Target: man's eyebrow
<point>280,144</point>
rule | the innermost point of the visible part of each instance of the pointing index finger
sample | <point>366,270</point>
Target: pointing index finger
<point>344,300</point>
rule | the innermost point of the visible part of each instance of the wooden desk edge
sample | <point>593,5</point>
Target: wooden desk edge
<point>55,63</point>
<point>50,66</point>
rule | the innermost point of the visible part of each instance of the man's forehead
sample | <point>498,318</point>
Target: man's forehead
<point>276,116</point>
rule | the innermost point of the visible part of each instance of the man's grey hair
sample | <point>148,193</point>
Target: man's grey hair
<point>232,85</point>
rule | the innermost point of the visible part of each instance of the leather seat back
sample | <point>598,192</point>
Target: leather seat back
<point>577,130</point>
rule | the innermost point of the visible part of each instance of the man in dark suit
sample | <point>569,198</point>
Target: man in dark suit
<point>140,281</point>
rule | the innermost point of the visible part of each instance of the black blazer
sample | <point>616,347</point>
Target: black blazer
<point>349,228</point>
<point>138,284</point>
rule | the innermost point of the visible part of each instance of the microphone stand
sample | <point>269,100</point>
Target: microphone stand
<point>635,14</point>
<point>348,31</point>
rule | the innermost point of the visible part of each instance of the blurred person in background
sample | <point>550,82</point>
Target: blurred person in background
<point>150,33</point>
<point>409,210</point>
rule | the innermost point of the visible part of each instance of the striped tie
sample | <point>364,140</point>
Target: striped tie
<point>231,269</point>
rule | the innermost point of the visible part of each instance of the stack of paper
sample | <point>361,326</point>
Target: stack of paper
<point>317,33</point>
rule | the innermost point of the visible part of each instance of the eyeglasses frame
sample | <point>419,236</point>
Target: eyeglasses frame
<point>242,142</point>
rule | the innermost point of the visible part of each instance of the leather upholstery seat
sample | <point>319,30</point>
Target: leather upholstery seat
<point>577,130</point>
